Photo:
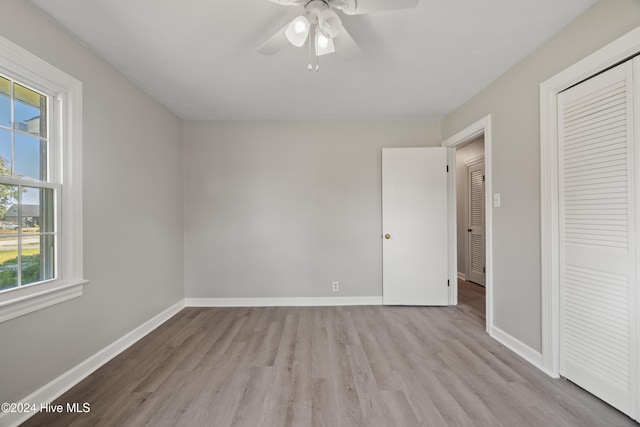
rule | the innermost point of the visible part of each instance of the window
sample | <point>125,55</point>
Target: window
<point>40,184</point>
<point>29,188</point>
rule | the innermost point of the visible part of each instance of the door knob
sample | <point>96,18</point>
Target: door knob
<point>387,236</point>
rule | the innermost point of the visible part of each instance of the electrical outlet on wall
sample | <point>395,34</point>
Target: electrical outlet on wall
<point>335,286</point>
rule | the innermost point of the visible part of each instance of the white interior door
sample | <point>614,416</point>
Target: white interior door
<point>475,231</point>
<point>597,243</point>
<point>414,226</point>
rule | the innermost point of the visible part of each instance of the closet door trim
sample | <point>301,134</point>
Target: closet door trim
<point>616,52</point>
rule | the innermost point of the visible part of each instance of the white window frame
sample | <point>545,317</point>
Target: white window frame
<point>66,92</point>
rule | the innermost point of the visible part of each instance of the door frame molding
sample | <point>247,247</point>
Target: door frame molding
<point>482,126</point>
<point>618,51</point>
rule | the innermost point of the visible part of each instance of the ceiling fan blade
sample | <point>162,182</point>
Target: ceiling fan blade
<point>288,2</point>
<point>275,43</point>
<point>346,47</point>
<point>373,6</point>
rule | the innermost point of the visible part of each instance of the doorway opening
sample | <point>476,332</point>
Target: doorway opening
<point>470,230</point>
<point>470,225</point>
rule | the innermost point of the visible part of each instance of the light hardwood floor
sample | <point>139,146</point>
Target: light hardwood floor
<point>472,301</point>
<point>326,366</point>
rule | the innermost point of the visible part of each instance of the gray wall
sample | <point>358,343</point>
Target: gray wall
<point>280,209</point>
<point>512,100</point>
<point>132,215</point>
<point>470,151</point>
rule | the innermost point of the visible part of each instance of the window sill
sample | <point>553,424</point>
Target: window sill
<point>36,297</point>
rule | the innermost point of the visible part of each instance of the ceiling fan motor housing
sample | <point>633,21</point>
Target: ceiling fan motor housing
<point>316,6</point>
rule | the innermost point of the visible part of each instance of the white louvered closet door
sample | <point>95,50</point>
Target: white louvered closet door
<point>597,244</point>
<point>476,256</point>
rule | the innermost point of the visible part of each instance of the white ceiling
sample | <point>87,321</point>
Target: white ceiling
<point>198,57</point>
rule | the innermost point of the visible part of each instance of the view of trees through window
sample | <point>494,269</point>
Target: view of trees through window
<point>27,220</point>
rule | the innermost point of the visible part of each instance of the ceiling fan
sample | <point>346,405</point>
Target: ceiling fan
<point>320,24</point>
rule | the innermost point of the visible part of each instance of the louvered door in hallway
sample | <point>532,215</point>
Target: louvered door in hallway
<point>597,207</point>
<point>475,232</point>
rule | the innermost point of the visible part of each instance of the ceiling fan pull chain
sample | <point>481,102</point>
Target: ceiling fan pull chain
<point>309,67</point>
<point>315,41</point>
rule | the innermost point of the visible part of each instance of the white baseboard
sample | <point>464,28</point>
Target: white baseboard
<point>281,302</point>
<point>462,276</point>
<point>518,347</point>
<point>49,392</point>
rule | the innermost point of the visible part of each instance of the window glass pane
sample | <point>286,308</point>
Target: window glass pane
<point>9,206</point>
<point>5,102</point>
<point>29,111</point>
<point>37,258</point>
<point>5,152</point>
<point>8,262</point>
<point>38,261</point>
<point>30,157</point>
<point>37,210</point>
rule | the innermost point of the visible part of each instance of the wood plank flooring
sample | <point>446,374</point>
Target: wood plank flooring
<point>326,366</point>
<point>472,301</point>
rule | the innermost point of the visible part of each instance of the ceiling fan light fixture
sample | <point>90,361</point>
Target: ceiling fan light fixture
<point>298,30</point>
<point>299,27</point>
<point>329,23</point>
<point>325,45</point>
<point>323,41</point>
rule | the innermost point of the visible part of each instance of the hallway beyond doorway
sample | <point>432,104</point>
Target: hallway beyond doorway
<point>471,300</point>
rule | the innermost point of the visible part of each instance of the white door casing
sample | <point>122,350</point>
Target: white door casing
<point>475,223</point>
<point>616,52</point>
<point>482,127</point>
<point>597,216</point>
<point>414,218</point>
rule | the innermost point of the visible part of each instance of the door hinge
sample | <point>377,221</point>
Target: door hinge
<point>482,178</point>
<point>447,168</point>
<point>484,269</point>
<point>448,284</point>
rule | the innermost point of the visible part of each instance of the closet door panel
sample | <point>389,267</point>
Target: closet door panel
<point>597,268</point>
